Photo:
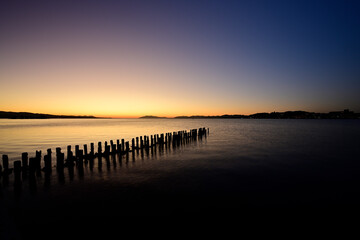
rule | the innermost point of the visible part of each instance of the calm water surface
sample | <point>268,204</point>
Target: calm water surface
<point>242,166</point>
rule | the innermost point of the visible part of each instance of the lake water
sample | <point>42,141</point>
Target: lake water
<point>243,166</point>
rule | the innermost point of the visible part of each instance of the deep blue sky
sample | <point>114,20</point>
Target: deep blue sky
<point>226,56</point>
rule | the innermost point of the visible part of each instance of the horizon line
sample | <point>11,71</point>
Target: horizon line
<point>169,117</point>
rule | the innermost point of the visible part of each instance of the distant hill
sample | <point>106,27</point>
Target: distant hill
<point>150,117</point>
<point>346,114</point>
<point>28,115</point>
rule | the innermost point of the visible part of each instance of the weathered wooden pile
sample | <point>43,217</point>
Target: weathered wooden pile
<point>122,147</point>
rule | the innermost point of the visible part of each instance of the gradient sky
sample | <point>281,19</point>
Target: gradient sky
<point>169,58</point>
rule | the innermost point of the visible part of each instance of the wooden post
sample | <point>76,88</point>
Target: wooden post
<point>162,138</point>
<point>24,158</point>
<point>47,161</point>
<point>107,149</point>
<point>118,146</point>
<point>141,142</point>
<point>85,150</point>
<point>58,151</point>
<point>122,145</point>
<point>137,142</point>
<point>32,164</point>
<point>17,168</point>
<point>38,154</point>
<point>112,146</point>
<point>81,155</point>
<point>92,152</point>
<point>127,147</point>
<point>152,140</point>
<point>133,144</point>
<point>119,149</point>
<point>146,141</point>
<point>69,153</point>
<point>60,161</point>
<point>99,149</point>
<point>38,159</point>
<point>77,151</point>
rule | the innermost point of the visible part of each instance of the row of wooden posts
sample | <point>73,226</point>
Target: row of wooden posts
<point>121,147</point>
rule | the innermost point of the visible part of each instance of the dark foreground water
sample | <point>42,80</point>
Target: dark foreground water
<point>244,169</point>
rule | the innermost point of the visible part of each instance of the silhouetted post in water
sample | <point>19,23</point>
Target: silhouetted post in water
<point>152,140</point>
<point>137,142</point>
<point>38,156</point>
<point>92,149</point>
<point>99,149</point>
<point>24,159</point>
<point>107,149</point>
<point>5,160</point>
<point>32,164</point>
<point>17,168</point>
<point>133,144</point>
<point>85,150</point>
<point>144,145</point>
<point>60,158</point>
<point>113,146</point>
<point>119,149</point>
<point>47,161</point>
<point>146,141</point>
<point>69,153</point>
<point>113,151</point>
<point>122,145</point>
<point>81,156</point>
<point>58,151</point>
<point>77,151</point>
<point>38,160</point>
<point>141,142</point>
<point>162,139</point>
<point>118,146</point>
<point>127,147</point>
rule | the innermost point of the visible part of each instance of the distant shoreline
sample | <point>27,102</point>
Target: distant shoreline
<point>346,114</point>
<point>28,115</point>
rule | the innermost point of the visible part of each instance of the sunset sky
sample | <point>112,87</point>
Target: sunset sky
<point>170,58</point>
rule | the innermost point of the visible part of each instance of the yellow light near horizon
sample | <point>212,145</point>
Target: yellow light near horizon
<point>117,88</point>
